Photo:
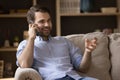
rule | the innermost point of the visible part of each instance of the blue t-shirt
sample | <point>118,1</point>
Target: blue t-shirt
<point>54,58</point>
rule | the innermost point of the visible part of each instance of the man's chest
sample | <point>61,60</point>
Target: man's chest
<point>51,50</point>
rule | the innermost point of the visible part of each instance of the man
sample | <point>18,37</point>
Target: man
<point>55,58</point>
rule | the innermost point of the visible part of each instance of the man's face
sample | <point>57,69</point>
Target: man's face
<point>43,20</point>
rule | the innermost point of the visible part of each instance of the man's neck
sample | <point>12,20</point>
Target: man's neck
<point>45,38</point>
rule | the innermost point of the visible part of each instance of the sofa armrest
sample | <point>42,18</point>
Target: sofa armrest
<point>27,74</point>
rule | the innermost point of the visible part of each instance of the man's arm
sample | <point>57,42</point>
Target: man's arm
<point>86,60</point>
<point>25,60</point>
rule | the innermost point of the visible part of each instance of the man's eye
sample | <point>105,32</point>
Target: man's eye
<point>41,21</point>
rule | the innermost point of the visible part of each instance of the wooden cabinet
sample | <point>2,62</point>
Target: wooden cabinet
<point>74,23</point>
<point>11,26</point>
<point>8,56</point>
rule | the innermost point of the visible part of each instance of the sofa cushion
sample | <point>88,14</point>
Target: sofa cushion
<point>100,56</point>
<point>115,55</point>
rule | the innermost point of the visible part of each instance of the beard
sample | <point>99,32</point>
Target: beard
<point>45,31</point>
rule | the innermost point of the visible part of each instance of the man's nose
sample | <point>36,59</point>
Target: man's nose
<point>46,24</point>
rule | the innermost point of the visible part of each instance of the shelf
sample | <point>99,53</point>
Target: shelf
<point>90,14</point>
<point>14,15</point>
<point>7,79</point>
<point>8,49</point>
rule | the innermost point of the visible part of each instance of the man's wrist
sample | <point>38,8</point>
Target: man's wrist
<point>88,52</point>
<point>31,38</point>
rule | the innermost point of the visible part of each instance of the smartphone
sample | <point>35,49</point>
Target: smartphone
<point>37,33</point>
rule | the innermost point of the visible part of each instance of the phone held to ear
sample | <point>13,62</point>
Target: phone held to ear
<point>37,33</point>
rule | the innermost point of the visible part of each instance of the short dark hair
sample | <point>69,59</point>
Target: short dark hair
<point>33,9</point>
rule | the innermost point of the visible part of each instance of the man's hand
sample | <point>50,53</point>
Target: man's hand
<point>90,45</point>
<point>32,30</point>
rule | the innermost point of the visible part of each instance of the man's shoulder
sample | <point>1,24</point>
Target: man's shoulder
<point>60,38</point>
<point>23,42</point>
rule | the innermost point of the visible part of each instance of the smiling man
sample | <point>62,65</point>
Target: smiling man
<point>55,58</point>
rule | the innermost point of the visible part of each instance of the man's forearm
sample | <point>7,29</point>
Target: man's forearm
<point>90,45</point>
<point>85,63</point>
<point>26,58</point>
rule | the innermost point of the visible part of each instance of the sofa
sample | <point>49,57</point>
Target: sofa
<point>105,58</point>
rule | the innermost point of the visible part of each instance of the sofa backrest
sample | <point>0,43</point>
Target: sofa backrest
<point>100,67</point>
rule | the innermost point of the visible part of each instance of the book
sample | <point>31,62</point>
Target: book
<point>70,6</point>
